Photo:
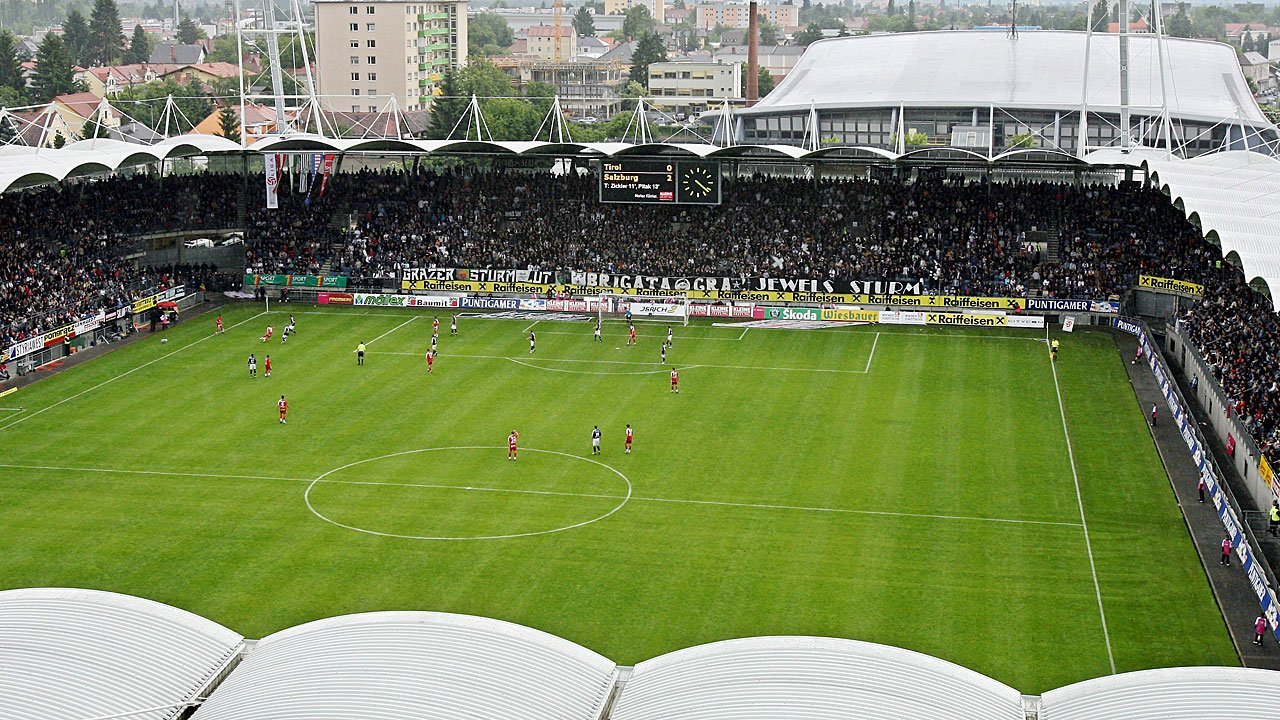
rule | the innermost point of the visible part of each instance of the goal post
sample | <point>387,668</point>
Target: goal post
<point>645,308</point>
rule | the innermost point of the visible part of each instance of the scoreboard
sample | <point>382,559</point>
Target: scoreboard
<point>675,182</point>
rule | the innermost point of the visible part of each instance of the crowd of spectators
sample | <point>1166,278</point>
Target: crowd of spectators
<point>64,251</point>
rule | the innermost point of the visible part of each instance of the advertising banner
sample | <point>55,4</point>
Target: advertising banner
<point>1025,321</point>
<point>1056,305</point>
<point>722,311</point>
<point>576,305</point>
<point>327,281</point>
<point>271,174</point>
<point>533,304</point>
<point>489,303</point>
<point>902,317</point>
<point>789,313</point>
<point>1170,285</point>
<point>1231,523</point>
<point>1068,324</point>
<point>961,320</point>
<point>849,315</point>
<point>650,309</point>
<point>335,299</point>
<point>379,300</point>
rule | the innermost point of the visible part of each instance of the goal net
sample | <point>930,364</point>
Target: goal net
<point>645,308</point>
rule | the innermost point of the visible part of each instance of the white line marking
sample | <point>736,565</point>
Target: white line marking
<point>535,322</point>
<point>17,409</point>
<point>28,416</point>
<point>406,322</point>
<point>744,333</point>
<point>521,361</point>
<point>1084,524</point>
<point>874,341</point>
<point>640,335</point>
<point>660,368</point>
<point>680,501</point>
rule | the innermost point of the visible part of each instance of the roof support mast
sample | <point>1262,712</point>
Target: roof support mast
<point>1082,137</point>
<point>1126,132</point>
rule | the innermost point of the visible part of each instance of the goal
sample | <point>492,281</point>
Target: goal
<point>645,308</point>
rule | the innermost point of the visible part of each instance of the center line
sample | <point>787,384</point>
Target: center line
<point>520,491</point>
<point>1075,477</point>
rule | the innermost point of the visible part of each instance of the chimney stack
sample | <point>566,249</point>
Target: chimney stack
<point>753,55</point>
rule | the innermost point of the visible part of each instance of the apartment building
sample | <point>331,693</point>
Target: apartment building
<point>737,15</point>
<point>691,87</point>
<point>657,8</point>
<point>368,52</point>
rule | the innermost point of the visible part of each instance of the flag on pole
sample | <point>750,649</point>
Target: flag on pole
<point>273,180</point>
<point>302,173</point>
<point>328,167</point>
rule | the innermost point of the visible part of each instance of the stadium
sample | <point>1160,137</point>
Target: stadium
<point>765,427</point>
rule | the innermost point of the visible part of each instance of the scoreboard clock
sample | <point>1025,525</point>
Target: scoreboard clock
<point>675,182</point>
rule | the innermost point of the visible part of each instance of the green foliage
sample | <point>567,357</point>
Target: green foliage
<point>230,122</point>
<point>106,43</point>
<point>638,23</point>
<point>914,138</point>
<point>489,34</point>
<point>649,50</point>
<point>484,80</point>
<point>188,32</point>
<point>75,34</point>
<point>1101,15</point>
<point>59,141</point>
<point>584,23</point>
<point>764,82</point>
<point>770,34</point>
<point>54,70</point>
<point>224,50</point>
<point>145,103</point>
<point>1020,140</point>
<point>808,36</point>
<point>10,66</point>
<point>139,47</point>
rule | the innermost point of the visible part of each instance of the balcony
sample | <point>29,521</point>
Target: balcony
<point>423,83</point>
<point>438,46</point>
<point>433,16</point>
<point>433,31</point>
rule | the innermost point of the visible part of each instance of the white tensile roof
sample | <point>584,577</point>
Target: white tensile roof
<point>810,678</point>
<point>1040,69</point>
<point>423,665</point>
<point>1188,693</point>
<point>68,653</point>
<point>1234,198</point>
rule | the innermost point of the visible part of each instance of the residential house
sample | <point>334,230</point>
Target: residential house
<point>591,47</point>
<point>657,8</point>
<point>76,109</point>
<point>255,122</point>
<point>39,128</point>
<point>1138,26</point>
<point>176,54</point>
<point>777,59</point>
<point>692,87</point>
<point>553,43</point>
<point>205,74</point>
<point>1256,68</point>
<point>105,81</point>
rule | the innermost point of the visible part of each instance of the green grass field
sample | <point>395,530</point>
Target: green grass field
<point>900,486</point>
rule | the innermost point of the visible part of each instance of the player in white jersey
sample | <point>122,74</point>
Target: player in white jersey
<point>453,325</point>
<point>533,339</point>
<point>669,341</point>
<point>597,337</point>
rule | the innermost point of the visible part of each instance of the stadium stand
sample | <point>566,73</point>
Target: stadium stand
<point>809,678</point>
<point>1190,693</point>
<point>69,654</point>
<point>396,665</point>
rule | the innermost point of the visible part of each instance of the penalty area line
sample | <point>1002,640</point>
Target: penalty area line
<point>406,322</point>
<point>126,373</point>
<point>556,493</point>
<point>522,360</point>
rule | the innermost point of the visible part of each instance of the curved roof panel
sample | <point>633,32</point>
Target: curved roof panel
<point>1037,69</point>
<point>1191,693</point>
<point>68,653</point>
<point>426,665</point>
<point>810,678</point>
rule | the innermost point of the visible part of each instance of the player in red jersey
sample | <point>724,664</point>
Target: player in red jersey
<point>675,381</point>
<point>266,366</point>
<point>283,405</point>
<point>631,336</point>
<point>435,326</point>
<point>431,358</point>
<point>219,322</point>
<point>270,331</point>
<point>628,438</point>
<point>513,452</point>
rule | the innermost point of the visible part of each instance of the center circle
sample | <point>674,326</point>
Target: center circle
<point>541,493</point>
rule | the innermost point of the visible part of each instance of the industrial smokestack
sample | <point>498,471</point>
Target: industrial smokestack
<point>753,55</point>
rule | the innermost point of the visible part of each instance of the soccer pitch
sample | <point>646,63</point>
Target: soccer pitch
<point>908,487</point>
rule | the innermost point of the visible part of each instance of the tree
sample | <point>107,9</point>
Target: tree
<point>139,47</point>
<point>769,33</point>
<point>489,34</point>
<point>649,50</point>
<point>188,32</point>
<point>10,66</point>
<point>890,10</point>
<point>584,23</point>
<point>224,50</point>
<point>229,121</point>
<point>639,22</point>
<point>59,141</point>
<point>1101,15</point>
<point>911,14</point>
<point>1179,25</point>
<point>75,34</point>
<point>106,42</point>
<point>764,82</point>
<point>808,36</point>
<point>144,104</point>
<point>54,69</point>
<point>480,78</point>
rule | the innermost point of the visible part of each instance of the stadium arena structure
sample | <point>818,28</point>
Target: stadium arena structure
<point>106,656</point>
<point>161,662</point>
